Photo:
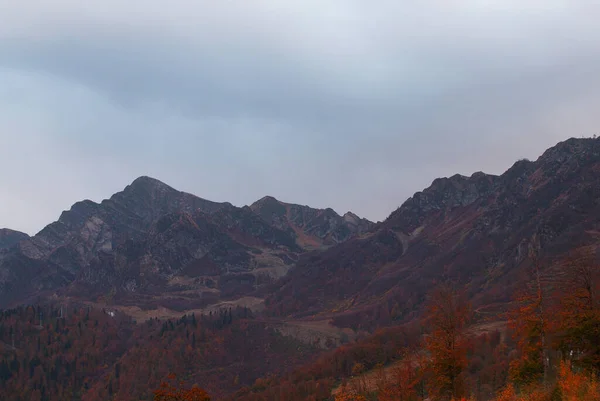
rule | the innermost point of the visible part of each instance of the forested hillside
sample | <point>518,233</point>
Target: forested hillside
<point>547,349</point>
<point>544,348</point>
<point>91,354</point>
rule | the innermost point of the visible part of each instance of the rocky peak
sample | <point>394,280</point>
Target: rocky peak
<point>444,194</point>
<point>149,199</point>
<point>128,214</point>
<point>568,156</point>
<point>9,238</point>
<point>520,180</point>
<point>144,191</point>
<point>148,189</point>
<point>352,218</point>
<point>266,200</point>
<point>151,184</point>
<point>556,164</point>
<point>309,225</point>
<point>578,148</point>
<point>459,190</point>
<point>271,210</point>
<point>79,213</point>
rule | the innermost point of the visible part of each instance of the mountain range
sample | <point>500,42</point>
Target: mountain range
<point>481,232</point>
<point>274,298</point>
<point>152,246</point>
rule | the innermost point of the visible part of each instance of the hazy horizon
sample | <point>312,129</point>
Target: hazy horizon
<point>345,105</point>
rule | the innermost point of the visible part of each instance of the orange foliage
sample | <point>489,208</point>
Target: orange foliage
<point>577,386</point>
<point>529,322</point>
<point>96,356</point>
<point>169,392</point>
<point>507,394</point>
<point>447,315</point>
<point>533,394</point>
<point>402,385</point>
<point>571,386</point>
<point>347,393</point>
<point>579,317</point>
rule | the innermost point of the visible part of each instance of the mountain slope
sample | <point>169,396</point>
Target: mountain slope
<point>128,213</point>
<point>478,231</point>
<point>151,245</point>
<point>56,255</point>
<point>312,228</point>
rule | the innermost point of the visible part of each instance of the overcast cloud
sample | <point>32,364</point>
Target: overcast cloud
<point>347,104</point>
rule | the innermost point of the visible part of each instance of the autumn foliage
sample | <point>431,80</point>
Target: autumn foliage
<point>529,321</point>
<point>347,393</point>
<point>447,315</point>
<point>557,319</point>
<point>551,352</point>
<point>577,386</point>
<point>93,355</point>
<point>403,383</point>
<point>578,326</point>
<point>171,392</point>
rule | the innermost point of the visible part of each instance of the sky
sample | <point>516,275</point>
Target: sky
<point>347,104</point>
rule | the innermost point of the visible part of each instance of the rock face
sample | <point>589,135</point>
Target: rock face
<point>129,214</point>
<point>478,231</point>
<point>9,238</point>
<point>151,244</point>
<point>312,228</point>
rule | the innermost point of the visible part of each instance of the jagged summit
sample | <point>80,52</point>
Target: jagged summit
<point>576,147</point>
<point>267,199</point>
<point>147,180</point>
<point>146,186</point>
<point>150,184</point>
<point>458,190</point>
<point>150,198</point>
<point>312,227</point>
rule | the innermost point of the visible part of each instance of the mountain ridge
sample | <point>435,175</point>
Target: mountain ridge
<point>153,245</point>
<point>315,224</point>
<point>477,231</point>
<point>92,241</point>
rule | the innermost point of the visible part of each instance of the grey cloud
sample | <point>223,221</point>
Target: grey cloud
<point>346,104</point>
